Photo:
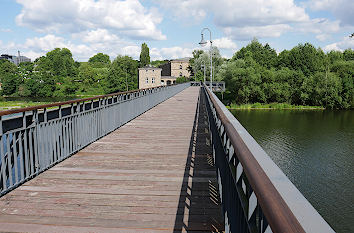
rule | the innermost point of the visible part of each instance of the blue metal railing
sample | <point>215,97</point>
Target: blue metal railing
<point>34,139</point>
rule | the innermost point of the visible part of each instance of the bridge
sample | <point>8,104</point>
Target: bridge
<point>165,159</point>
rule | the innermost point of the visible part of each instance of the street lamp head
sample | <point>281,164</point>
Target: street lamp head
<point>203,42</point>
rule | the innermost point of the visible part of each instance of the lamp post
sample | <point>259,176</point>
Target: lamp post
<point>203,43</point>
<point>126,78</point>
<point>204,70</point>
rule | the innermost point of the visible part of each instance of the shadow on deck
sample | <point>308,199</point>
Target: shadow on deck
<point>199,208</point>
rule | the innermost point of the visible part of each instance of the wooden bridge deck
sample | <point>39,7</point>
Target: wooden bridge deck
<point>154,174</point>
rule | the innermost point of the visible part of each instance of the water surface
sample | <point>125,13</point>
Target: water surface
<point>315,149</point>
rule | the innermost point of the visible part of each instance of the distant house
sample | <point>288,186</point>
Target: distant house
<point>149,77</point>
<point>165,75</point>
<point>15,59</point>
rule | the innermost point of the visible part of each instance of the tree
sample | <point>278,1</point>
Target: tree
<point>348,55</point>
<point>8,76</point>
<point>144,55</point>
<point>87,75</point>
<point>60,63</point>
<point>306,58</point>
<point>99,60</point>
<point>201,58</point>
<point>263,55</point>
<point>122,72</point>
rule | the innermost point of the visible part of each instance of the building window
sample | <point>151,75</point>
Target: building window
<point>147,80</point>
<point>153,80</point>
<point>180,74</point>
<point>180,67</point>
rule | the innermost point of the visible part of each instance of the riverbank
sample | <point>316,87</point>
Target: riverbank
<point>6,105</point>
<point>274,106</point>
<point>13,102</point>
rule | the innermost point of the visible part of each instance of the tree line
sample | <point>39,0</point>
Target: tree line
<point>57,74</point>
<point>304,75</point>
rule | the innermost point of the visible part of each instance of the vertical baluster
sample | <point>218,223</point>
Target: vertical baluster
<point>9,159</point>
<point>22,169</point>
<point>30,142</point>
<point>49,141</point>
<point>26,154</point>
<point>14,146</point>
<point>57,139</point>
<point>44,141</point>
<point>72,133</point>
<point>35,140</point>
<point>2,155</point>
<point>65,141</point>
<point>25,148</point>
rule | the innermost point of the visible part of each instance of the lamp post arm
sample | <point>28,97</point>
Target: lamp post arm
<point>209,33</point>
<point>211,57</point>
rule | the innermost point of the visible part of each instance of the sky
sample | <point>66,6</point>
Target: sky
<point>171,28</point>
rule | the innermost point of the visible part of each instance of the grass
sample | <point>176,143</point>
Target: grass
<point>273,106</point>
<point>5,105</point>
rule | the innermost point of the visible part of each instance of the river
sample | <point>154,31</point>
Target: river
<point>315,149</point>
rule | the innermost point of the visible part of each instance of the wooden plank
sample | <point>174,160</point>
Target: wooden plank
<point>154,174</point>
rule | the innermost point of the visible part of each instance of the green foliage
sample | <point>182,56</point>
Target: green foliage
<point>348,55</point>
<point>263,55</point>
<point>305,58</point>
<point>201,59</point>
<point>144,55</point>
<point>303,75</point>
<point>9,78</point>
<point>100,60</point>
<point>272,106</point>
<point>59,62</point>
<point>122,75</point>
<point>182,80</point>
<point>58,75</point>
<point>158,63</point>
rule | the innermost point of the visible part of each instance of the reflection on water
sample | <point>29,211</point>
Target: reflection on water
<point>315,149</point>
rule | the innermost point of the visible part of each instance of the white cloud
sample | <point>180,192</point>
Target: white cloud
<point>323,37</point>
<point>176,52</point>
<point>224,43</point>
<point>345,43</point>
<point>341,9</point>
<point>170,52</point>
<point>5,30</point>
<point>128,17</point>
<point>243,20</point>
<point>133,51</point>
<point>105,43</point>
<point>247,32</point>
<point>319,26</point>
<point>96,36</point>
<point>239,12</point>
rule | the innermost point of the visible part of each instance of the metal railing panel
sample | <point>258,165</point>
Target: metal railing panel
<point>256,194</point>
<point>34,139</point>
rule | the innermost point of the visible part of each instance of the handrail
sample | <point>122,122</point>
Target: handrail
<point>276,211</point>
<point>278,214</point>
<point>34,141</point>
<point>57,104</point>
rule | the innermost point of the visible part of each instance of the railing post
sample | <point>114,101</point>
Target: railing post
<point>34,146</point>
